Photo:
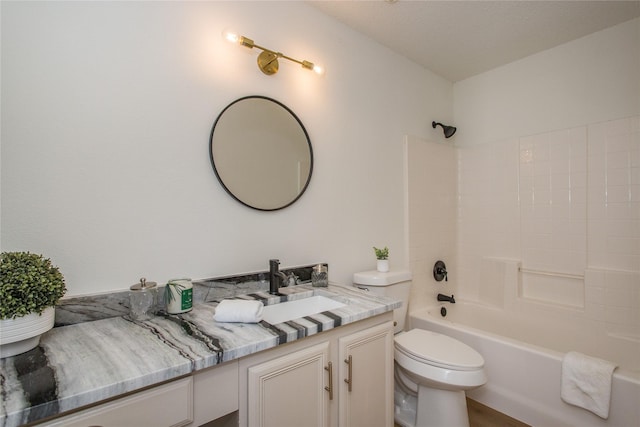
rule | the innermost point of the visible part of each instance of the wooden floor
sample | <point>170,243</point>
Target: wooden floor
<point>483,416</point>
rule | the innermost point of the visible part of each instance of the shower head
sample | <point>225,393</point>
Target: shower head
<point>448,130</point>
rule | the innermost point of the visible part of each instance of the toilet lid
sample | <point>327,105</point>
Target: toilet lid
<point>440,350</point>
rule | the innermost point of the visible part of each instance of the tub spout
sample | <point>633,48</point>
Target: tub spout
<point>442,297</point>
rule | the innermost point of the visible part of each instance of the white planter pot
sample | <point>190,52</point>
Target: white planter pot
<point>383,265</point>
<point>23,333</point>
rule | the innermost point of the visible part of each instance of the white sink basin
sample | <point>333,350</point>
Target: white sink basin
<point>278,313</point>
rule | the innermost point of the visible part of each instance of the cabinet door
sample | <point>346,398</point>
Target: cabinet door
<point>365,378</point>
<point>166,405</point>
<point>289,391</point>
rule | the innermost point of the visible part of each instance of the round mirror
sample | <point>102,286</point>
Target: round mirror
<point>261,153</point>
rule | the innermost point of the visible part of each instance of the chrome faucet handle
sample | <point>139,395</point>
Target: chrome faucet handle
<point>292,279</point>
<point>286,280</point>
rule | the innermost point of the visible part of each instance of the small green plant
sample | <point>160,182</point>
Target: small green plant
<point>28,283</point>
<point>381,253</point>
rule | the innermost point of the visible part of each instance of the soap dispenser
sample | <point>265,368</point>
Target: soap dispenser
<point>142,299</point>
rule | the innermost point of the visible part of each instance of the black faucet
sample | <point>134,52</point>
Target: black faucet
<point>275,276</point>
<point>442,297</point>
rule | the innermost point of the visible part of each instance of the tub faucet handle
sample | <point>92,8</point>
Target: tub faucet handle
<point>440,271</point>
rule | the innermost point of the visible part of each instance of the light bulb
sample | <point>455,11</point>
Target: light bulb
<point>318,69</point>
<point>231,36</point>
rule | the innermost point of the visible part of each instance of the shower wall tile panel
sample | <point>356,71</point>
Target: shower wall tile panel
<point>553,220</point>
<point>566,200</point>
<point>614,195</point>
<point>488,209</point>
<point>613,298</point>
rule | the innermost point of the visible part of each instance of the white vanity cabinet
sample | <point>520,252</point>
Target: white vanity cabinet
<point>342,377</point>
<point>167,405</point>
<point>191,401</point>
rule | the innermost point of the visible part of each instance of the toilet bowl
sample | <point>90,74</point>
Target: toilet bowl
<point>436,369</point>
<point>432,370</point>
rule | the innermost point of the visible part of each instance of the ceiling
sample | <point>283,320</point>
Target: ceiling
<point>459,39</point>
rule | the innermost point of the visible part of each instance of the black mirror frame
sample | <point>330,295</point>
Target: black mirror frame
<point>304,130</point>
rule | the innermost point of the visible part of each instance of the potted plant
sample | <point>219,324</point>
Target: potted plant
<point>30,287</point>
<point>382,256</point>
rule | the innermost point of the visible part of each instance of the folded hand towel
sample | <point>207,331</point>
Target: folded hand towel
<point>240,311</point>
<point>586,382</point>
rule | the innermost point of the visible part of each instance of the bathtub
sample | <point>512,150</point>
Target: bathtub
<point>523,362</point>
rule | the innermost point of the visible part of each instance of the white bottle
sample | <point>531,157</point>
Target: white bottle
<point>178,296</point>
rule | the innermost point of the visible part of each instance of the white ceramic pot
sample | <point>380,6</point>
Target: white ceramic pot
<point>383,265</point>
<point>22,334</point>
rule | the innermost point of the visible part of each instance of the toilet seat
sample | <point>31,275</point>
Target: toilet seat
<point>439,350</point>
<point>437,361</point>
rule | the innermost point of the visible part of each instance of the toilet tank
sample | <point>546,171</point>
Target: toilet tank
<point>395,284</point>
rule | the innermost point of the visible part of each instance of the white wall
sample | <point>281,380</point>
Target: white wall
<point>106,113</point>
<point>592,79</point>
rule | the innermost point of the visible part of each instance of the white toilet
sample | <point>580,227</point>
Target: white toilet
<point>432,371</point>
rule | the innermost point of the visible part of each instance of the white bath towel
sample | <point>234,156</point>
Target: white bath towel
<point>586,382</point>
<point>239,311</point>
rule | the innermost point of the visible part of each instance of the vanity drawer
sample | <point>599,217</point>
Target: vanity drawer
<point>168,405</point>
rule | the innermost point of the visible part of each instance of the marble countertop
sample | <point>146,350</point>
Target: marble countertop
<point>82,363</point>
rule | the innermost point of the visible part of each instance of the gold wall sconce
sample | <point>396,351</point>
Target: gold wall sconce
<point>268,59</point>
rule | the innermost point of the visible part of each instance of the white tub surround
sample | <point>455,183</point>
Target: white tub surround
<point>84,363</point>
<point>563,205</point>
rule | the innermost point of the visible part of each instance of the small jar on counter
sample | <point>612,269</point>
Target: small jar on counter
<point>142,299</point>
<point>178,296</point>
<point>320,276</point>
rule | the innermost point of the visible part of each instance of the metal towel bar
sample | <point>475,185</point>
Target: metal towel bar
<point>552,273</point>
